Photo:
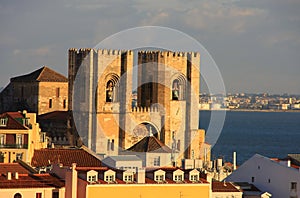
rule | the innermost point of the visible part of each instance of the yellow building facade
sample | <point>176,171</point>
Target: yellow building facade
<point>20,135</point>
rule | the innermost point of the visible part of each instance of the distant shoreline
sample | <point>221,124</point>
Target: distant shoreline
<point>252,110</point>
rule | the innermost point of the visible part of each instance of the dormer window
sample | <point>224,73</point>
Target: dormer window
<point>92,176</point>
<point>178,175</point>
<point>3,121</point>
<point>159,176</point>
<point>128,176</point>
<point>110,176</point>
<point>194,175</point>
<point>25,121</point>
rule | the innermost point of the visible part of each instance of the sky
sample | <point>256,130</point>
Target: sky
<point>255,43</point>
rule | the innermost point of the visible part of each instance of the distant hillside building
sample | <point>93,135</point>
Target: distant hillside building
<point>41,91</point>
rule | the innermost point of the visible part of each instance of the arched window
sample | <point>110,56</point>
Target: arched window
<point>178,88</point>
<point>111,88</point>
<point>17,195</point>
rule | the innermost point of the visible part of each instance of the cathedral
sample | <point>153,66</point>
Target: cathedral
<point>165,117</point>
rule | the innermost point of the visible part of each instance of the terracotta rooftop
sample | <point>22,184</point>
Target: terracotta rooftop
<point>82,158</point>
<point>54,115</point>
<point>31,181</point>
<point>223,187</point>
<point>14,120</point>
<point>150,144</point>
<point>15,167</point>
<point>44,74</point>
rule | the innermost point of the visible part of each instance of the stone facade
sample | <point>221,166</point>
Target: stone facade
<point>167,100</point>
<point>41,91</point>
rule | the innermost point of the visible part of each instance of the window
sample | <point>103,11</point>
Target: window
<point>19,156</point>
<point>17,195</point>
<point>50,103</point>
<point>175,90</point>
<point>65,103</point>
<point>92,178</point>
<point>159,178</point>
<point>57,92</point>
<point>55,194</point>
<point>3,121</point>
<point>38,195</point>
<point>194,177</point>
<point>293,185</point>
<point>269,180</point>
<point>19,140</point>
<point>112,146</point>
<point>178,178</point>
<point>109,91</point>
<point>128,177</point>
<point>156,161</point>
<point>109,178</point>
<point>2,139</point>
<point>42,137</point>
<point>252,179</point>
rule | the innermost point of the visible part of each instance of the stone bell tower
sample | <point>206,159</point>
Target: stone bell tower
<point>172,80</point>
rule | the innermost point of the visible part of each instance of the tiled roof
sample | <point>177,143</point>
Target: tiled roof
<point>31,181</point>
<point>14,167</point>
<point>223,187</point>
<point>150,144</point>
<point>82,158</point>
<point>54,115</point>
<point>44,74</point>
<point>148,178</point>
<point>12,122</point>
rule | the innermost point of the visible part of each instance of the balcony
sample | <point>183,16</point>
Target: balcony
<point>14,146</point>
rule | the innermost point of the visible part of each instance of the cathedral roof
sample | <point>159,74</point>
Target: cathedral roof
<point>150,144</point>
<point>44,74</point>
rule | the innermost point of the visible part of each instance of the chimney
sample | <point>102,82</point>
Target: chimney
<point>288,163</point>
<point>140,176</point>
<point>74,180</point>
<point>234,160</point>
<point>16,175</point>
<point>8,176</point>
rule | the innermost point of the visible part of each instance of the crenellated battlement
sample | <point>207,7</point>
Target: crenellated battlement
<point>101,51</point>
<point>145,109</point>
<point>169,53</point>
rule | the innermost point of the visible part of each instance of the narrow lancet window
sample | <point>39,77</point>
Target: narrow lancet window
<point>109,91</point>
<point>175,90</point>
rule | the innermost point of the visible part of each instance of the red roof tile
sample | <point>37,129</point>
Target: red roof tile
<point>150,144</point>
<point>223,187</point>
<point>13,122</point>
<point>31,181</point>
<point>82,158</point>
<point>14,167</point>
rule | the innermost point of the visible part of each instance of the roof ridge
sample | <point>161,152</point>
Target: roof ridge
<point>43,69</point>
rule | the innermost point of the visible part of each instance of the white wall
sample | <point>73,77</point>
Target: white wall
<point>269,176</point>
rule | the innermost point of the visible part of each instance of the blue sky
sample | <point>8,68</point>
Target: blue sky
<point>255,43</point>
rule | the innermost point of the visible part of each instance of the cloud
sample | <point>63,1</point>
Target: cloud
<point>42,51</point>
